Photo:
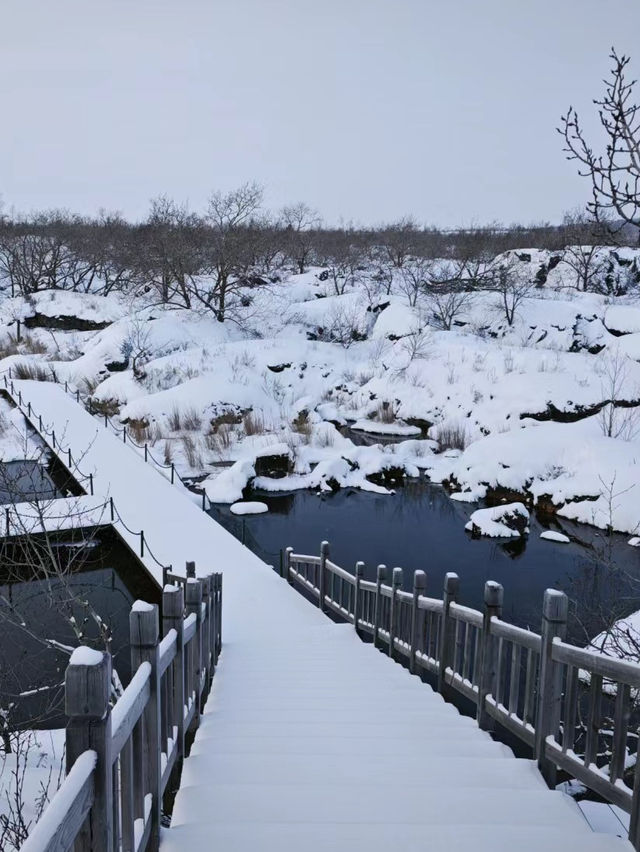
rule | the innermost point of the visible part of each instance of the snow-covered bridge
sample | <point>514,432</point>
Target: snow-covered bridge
<point>309,738</point>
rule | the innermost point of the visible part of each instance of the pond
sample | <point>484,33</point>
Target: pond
<point>420,527</point>
<point>40,618</point>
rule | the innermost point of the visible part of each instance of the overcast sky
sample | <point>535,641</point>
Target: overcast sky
<point>365,109</point>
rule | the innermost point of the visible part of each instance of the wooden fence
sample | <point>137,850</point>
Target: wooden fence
<point>539,688</point>
<point>120,758</point>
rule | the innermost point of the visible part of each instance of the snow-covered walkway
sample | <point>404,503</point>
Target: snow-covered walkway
<point>310,739</point>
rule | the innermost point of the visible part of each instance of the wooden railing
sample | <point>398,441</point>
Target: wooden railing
<point>545,692</point>
<point>120,758</point>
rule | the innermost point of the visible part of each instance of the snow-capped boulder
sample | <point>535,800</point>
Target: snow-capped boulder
<point>508,521</point>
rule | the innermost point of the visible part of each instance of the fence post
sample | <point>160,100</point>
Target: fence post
<point>396,583</point>
<point>356,594</point>
<point>493,598</point>
<point>193,600</point>
<point>146,452</point>
<point>173,618</point>
<point>69,457</point>
<point>87,688</point>
<point>124,434</point>
<point>141,543</point>
<point>419,588</point>
<point>190,568</point>
<point>143,632</point>
<point>322,573</point>
<point>447,629</point>
<point>91,484</point>
<point>381,576</point>
<point>112,509</point>
<point>555,608</point>
<point>173,472</point>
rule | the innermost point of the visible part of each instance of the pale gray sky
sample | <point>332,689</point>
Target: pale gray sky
<point>365,109</point>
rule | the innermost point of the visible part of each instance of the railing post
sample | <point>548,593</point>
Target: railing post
<point>447,629</point>
<point>219,617</point>
<point>190,569</point>
<point>555,608</point>
<point>173,618</point>
<point>493,598</point>
<point>357,594</point>
<point>173,472</point>
<point>206,631</point>
<point>143,633</point>
<point>381,576</point>
<point>91,484</point>
<point>396,583</point>
<point>194,605</point>
<point>87,691</point>
<point>146,452</point>
<point>322,573</point>
<point>112,509</point>
<point>419,588</point>
<point>286,565</point>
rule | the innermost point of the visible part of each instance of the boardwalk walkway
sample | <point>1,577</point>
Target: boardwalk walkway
<point>311,739</point>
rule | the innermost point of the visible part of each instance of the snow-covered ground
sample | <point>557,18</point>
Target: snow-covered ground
<point>540,411</point>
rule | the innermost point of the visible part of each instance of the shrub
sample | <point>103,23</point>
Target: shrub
<point>36,372</point>
<point>385,413</point>
<point>452,437</point>
<point>191,420</point>
<point>191,452</point>
<point>253,423</point>
<point>109,407</point>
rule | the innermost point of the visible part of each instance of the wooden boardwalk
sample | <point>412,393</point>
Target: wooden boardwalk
<point>311,739</point>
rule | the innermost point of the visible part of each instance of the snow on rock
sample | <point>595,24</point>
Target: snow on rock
<point>377,428</point>
<point>227,486</point>
<point>508,521</point>
<point>249,508</point>
<point>552,535</point>
<point>622,319</point>
<point>85,656</point>
<point>634,541</point>
<point>571,467</point>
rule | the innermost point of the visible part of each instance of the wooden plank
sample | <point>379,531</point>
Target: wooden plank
<point>609,668</point>
<point>134,699</point>
<point>56,832</point>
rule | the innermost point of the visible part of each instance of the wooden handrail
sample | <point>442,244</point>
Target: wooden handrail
<point>526,683</point>
<point>119,759</point>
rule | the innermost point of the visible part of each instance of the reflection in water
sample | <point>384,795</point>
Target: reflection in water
<point>420,527</point>
<point>41,617</point>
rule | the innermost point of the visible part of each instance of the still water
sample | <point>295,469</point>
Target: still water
<point>41,618</point>
<point>420,527</point>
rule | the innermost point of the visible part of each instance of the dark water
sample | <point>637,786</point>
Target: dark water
<point>420,527</point>
<point>24,481</point>
<point>100,580</point>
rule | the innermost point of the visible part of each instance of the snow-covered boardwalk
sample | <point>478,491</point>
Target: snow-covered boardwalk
<point>310,739</point>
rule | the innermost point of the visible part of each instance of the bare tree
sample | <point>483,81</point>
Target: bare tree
<point>512,288</point>
<point>617,419</point>
<point>448,292</point>
<point>230,216</point>
<point>300,222</point>
<point>614,175</point>
<point>414,277</point>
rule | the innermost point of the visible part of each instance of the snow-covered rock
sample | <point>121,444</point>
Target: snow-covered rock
<point>552,535</point>
<point>249,508</point>
<point>508,521</point>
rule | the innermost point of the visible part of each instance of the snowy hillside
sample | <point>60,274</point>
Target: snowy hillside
<point>316,383</point>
